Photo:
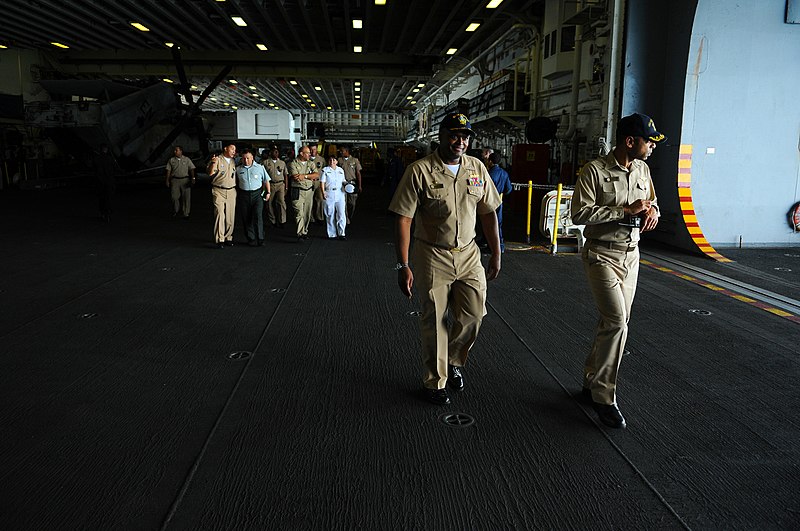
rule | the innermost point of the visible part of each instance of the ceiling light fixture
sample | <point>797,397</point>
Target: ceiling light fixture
<point>493,4</point>
<point>292,82</point>
<point>139,26</point>
<point>317,87</point>
<point>233,82</point>
<point>59,45</point>
<point>169,44</point>
<point>239,21</point>
<point>452,51</point>
<point>358,23</point>
<point>262,99</point>
<point>313,104</point>
<point>357,89</point>
<point>2,47</point>
<point>213,99</point>
<point>415,90</point>
<point>420,85</point>
<point>234,107</point>
<point>303,95</point>
<point>329,108</point>
<point>473,26</point>
<point>262,47</point>
<point>255,95</point>
<point>357,83</point>
<point>225,103</point>
<point>380,2</point>
<point>408,97</point>
<point>413,102</point>
<point>357,49</point>
<point>168,80</point>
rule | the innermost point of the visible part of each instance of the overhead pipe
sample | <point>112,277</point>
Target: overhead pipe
<point>576,79</point>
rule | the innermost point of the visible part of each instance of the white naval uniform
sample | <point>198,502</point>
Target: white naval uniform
<point>335,215</point>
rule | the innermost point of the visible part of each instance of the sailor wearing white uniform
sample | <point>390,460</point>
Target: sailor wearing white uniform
<point>332,180</point>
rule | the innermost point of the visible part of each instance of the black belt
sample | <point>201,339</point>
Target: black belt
<point>614,246</point>
<point>224,188</point>
<point>180,177</point>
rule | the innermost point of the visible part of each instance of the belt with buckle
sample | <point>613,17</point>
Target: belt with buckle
<point>451,249</point>
<point>614,246</point>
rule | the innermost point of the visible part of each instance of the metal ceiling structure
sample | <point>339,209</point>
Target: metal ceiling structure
<point>309,62</point>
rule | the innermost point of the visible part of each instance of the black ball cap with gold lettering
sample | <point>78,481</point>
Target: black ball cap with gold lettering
<point>640,125</point>
<point>456,123</point>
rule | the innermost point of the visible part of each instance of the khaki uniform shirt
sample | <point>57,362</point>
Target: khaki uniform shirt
<point>603,188</point>
<point>276,169</point>
<point>445,207</point>
<point>349,165</point>
<point>319,162</point>
<point>301,167</point>
<point>179,167</point>
<point>222,172</point>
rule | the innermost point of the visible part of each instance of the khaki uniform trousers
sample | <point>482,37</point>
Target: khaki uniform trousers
<point>612,276</point>
<point>448,282</point>
<point>318,210</point>
<point>276,208</point>
<point>351,201</point>
<point>302,209</point>
<point>181,192</point>
<point>224,211</point>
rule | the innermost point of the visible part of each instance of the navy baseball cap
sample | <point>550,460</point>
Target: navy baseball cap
<point>456,123</point>
<point>640,125</point>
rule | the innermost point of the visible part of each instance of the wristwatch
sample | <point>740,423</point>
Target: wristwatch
<point>400,265</point>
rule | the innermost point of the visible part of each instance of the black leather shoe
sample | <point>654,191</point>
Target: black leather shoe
<point>229,243</point>
<point>440,397</point>
<point>220,245</point>
<point>342,238</point>
<point>456,377</point>
<point>610,415</point>
<point>586,394</point>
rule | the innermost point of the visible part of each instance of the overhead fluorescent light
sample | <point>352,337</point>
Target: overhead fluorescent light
<point>473,26</point>
<point>303,95</point>
<point>169,44</point>
<point>451,51</point>
<point>358,23</point>
<point>3,47</point>
<point>357,89</point>
<point>254,94</point>
<point>413,102</point>
<point>408,97</point>
<point>168,80</point>
<point>293,82</point>
<point>233,82</point>
<point>357,49</point>
<point>213,98</point>
<point>420,85</point>
<point>313,104</point>
<point>58,44</point>
<point>139,26</point>
<point>329,108</point>
<point>493,4</point>
<point>252,87</point>
<point>262,47</point>
<point>262,99</point>
<point>193,87</point>
<point>380,2</point>
<point>415,90</point>
<point>317,87</point>
<point>358,107</point>
<point>234,107</point>
<point>225,103</point>
<point>357,83</point>
<point>239,21</point>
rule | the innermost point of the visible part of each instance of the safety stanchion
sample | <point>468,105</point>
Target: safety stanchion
<point>554,248</point>
<point>530,207</point>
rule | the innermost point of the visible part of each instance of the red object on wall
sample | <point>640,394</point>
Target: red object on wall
<point>529,162</point>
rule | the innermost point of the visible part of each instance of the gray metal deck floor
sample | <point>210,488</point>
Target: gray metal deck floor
<point>121,409</point>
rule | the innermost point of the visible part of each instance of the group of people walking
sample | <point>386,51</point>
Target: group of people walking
<point>321,190</point>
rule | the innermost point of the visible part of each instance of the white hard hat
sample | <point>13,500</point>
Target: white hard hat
<point>349,188</point>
